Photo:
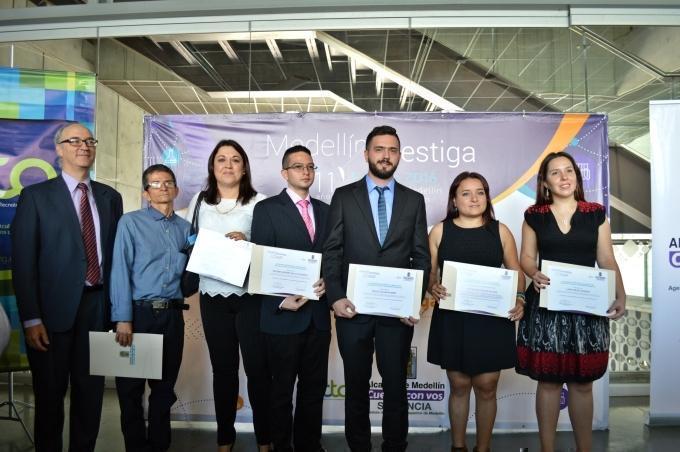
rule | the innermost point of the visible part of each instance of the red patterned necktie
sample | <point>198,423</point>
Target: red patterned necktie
<point>304,204</point>
<point>92,275</point>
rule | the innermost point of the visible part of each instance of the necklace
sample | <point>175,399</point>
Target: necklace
<point>562,219</point>
<point>223,211</point>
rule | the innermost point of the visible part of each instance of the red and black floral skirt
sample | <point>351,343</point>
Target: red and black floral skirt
<point>561,347</point>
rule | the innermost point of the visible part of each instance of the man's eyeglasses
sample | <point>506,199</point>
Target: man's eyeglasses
<point>77,142</point>
<point>299,167</point>
<point>158,184</point>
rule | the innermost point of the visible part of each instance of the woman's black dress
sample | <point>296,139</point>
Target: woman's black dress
<point>461,341</point>
<point>562,346</point>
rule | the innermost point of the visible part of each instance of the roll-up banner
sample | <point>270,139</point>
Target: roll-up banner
<point>664,131</point>
<point>28,157</point>
<point>33,105</point>
<point>506,148</point>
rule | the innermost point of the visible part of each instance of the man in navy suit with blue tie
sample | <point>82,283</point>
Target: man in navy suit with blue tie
<point>62,241</point>
<point>374,221</point>
<point>297,330</point>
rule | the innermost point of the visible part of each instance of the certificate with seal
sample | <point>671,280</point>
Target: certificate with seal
<point>220,257</point>
<point>575,288</point>
<point>280,271</point>
<point>478,289</point>
<point>388,291</point>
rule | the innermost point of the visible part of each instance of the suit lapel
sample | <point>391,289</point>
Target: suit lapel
<point>361,195</point>
<point>62,198</point>
<point>293,213</point>
<point>398,204</point>
<point>319,222</point>
<point>104,211</point>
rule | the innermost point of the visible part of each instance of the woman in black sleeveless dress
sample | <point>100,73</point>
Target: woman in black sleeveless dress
<point>557,347</point>
<point>472,348</point>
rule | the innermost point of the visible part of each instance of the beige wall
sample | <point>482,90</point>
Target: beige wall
<point>119,155</point>
<point>119,122</point>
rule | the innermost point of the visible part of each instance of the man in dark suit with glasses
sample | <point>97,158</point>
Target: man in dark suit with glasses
<point>62,239</point>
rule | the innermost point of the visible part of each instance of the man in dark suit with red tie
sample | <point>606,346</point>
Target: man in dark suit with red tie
<point>62,240</point>
<point>374,221</point>
<point>297,330</point>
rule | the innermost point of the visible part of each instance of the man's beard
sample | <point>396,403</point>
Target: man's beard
<point>379,173</point>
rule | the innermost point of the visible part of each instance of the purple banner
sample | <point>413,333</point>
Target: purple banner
<point>435,148</point>
<point>506,147</point>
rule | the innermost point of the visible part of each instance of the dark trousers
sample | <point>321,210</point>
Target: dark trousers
<point>391,340</point>
<point>226,323</point>
<point>68,359</point>
<point>139,438</point>
<point>303,357</point>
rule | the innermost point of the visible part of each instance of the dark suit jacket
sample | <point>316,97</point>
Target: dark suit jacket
<point>277,222</point>
<point>48,254</point>
<point>352,238</point>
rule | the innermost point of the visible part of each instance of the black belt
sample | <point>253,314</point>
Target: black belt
<point>163,303</point>
<point>95,288</point>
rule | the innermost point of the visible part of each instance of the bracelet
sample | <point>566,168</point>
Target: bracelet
<point>521,296</point>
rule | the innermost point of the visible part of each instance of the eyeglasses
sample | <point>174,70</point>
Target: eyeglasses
<point>299,167</point>
<point>77,142</point>
<point>158,184</point>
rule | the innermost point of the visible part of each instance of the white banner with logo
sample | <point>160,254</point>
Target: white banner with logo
<point>664,130</point>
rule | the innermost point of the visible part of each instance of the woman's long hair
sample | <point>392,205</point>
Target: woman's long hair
<point>543,195</point>
<point>246,192</point>
<point>452,210</point>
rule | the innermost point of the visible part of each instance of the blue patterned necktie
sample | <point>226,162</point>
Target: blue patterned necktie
<point>382,214</point>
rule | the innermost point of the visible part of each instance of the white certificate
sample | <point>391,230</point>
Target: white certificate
<point>388,291</point>
<point>280,271</point>
<point>479,289</point>
<point>575,288</point>
<point>142,359</point>
<point>220,257</point>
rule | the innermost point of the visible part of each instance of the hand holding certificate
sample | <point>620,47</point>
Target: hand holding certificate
<point>478,289</point>
<point>575,288</point>
<point>219,257</point>
<point>388,291</point>
<point>142,359</point>
<point>279,271</point>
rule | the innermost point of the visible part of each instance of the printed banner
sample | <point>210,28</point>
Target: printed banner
<point>27,157</point>
<point>48,98</point>
<point>35,94</point>
<point>505,147</point>
<point>664,401</point>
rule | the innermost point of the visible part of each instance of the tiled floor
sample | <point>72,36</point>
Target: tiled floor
<point>627,433</point>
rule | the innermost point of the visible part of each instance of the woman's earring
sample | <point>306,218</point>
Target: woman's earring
<point>547,192</point>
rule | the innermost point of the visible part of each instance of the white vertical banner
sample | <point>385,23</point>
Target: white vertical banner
<point>664,130</point>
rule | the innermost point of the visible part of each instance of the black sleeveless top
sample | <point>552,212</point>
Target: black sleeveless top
<point>471,343</point>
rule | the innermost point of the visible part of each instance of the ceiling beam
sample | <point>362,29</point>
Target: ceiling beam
<point>282,95</point>
<point>386,73</point>
<point>148,18</point>
<point>229,50</point>
<point>630,211</point>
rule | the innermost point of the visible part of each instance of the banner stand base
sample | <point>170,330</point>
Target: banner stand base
<point>662,421</point>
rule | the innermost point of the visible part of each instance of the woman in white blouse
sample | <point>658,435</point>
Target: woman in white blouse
<point>230,316</point>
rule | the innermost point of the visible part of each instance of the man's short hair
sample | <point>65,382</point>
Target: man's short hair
<point>382,130</point>
<point>293,150</point>
<point>60,130</point>
<point>157,168</point>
